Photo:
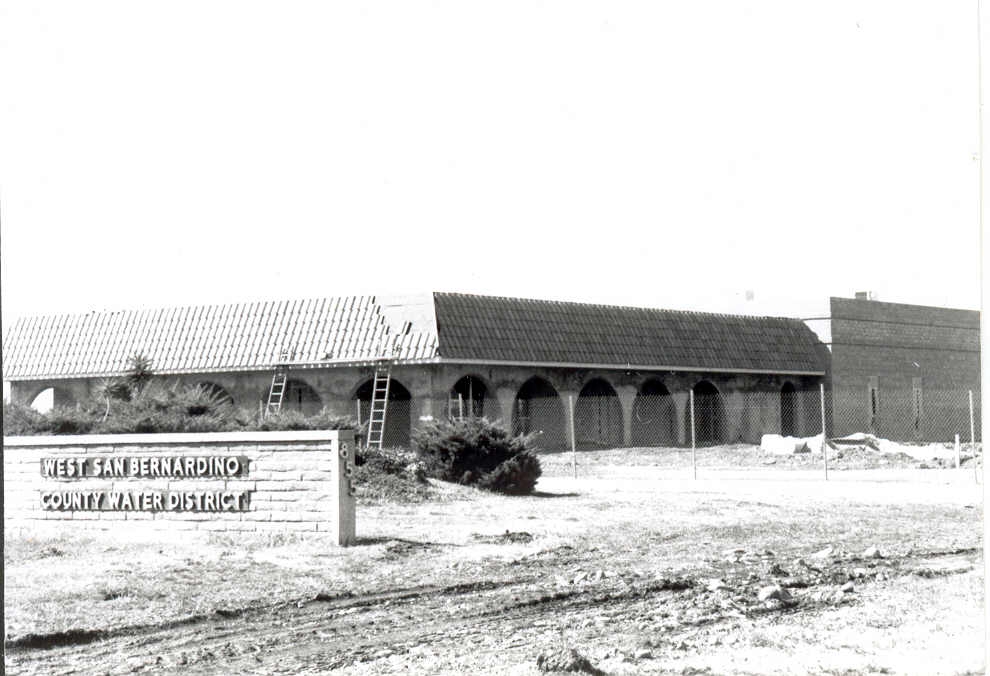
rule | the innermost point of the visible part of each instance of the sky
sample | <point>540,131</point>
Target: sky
<point>660,154</point>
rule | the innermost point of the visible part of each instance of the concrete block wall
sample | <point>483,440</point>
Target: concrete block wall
<point>294,482</point>
<point>900,345</point>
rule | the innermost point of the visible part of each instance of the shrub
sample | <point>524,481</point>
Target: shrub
<point>157,407</point>
<point>294,420</point>
<point>175,408</point>
<point>22,420</point>
<point>516,476</point>
<point>389,475</point>
<point>70,420</point>
<point>478,452</point>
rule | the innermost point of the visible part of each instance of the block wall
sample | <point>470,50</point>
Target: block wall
<point>294,482</point>
<point>900,346</point>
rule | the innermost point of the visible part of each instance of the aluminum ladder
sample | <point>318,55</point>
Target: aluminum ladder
<point>276,393</point>
<point>379,404</point>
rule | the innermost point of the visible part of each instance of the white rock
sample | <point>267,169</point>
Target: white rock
<point>774,592</point>
<point>716,585</point>
<point>778,445</point>
<point>872,552</point>
<point>823,553</point>
<point>847,587</point>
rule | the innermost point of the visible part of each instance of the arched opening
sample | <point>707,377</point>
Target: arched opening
<point>788,407</point>
<point>299,396</point>
<point>398,411</point>
<point>469,398</point>
<point>216,393</point>
<point>709,415</point>
<point>653,418</point>
<point>538,409</point>
<point>44,401</point>
<point>598,416</point>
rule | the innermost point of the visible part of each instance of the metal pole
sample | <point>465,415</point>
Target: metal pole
<point>957,451</point>
<point>821,389</point>
<point>570,405</point>
<point>972,429</point>
<point>694,458</point>
<point>357,405</point>
<point>972,438</point>
<point>460,405</point>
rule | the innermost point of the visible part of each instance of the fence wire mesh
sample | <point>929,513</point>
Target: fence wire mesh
<point>667,420</point>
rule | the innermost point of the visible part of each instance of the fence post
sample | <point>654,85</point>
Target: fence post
<point>694,460</point>
<point>957,451</point>
<point>972,439</point>
<point>972,429</point>
<point>821,389</point>
<point>570,417</point>
<point>460,406</point>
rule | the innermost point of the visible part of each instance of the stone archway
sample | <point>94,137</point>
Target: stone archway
<point>711,425</point>
<point>398,411</point>
<point>469,398</point>
<point>538,408</point>
<point>216,393</point>
<point>300,397</point>
<point>654,420</point>
<point>598,416</point>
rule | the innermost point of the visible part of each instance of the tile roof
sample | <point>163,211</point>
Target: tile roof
<point>455,327</point>
<point>537,331</point>
<point>213,338</point>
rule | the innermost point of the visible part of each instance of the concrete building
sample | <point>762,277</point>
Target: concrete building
<point>629,371</point>
<point>900,371</point>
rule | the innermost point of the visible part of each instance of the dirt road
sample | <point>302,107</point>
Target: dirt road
<point>729,578</point>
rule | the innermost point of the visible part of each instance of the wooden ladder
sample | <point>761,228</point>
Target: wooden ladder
<point>276,393</point>
<point>379,404</point>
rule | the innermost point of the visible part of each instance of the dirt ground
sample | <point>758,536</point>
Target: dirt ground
<point>636,566</point>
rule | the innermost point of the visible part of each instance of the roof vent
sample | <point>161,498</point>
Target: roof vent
<point>865,295</point>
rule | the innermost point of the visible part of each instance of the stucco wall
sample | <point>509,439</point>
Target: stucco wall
<point>751,401</point>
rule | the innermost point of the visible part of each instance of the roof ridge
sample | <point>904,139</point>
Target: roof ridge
<point>619,307</point>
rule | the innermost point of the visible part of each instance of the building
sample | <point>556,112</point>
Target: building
<point>629,372</point>
<point>900,371</point>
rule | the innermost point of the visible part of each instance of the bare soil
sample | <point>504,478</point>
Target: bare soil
<point>638,567</point>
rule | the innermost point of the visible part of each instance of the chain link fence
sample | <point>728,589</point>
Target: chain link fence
<point>906,415</point>
<point>708,419</point>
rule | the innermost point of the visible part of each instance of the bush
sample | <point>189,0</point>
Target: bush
<point>294,420</point>
<point>478,452</point>
<point>516,476</point>
<point>22,420</point>
<point>70,420</point>
<point>390,475</point>
<point>156,407</point>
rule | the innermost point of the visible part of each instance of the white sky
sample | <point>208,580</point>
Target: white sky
<point>664,154</point>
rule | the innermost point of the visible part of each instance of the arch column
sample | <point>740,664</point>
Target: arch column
<point>506,400</point>
<point>681,412</point>
<point>568,399</point>
<point>735,415</point>
<point>627,399</point>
